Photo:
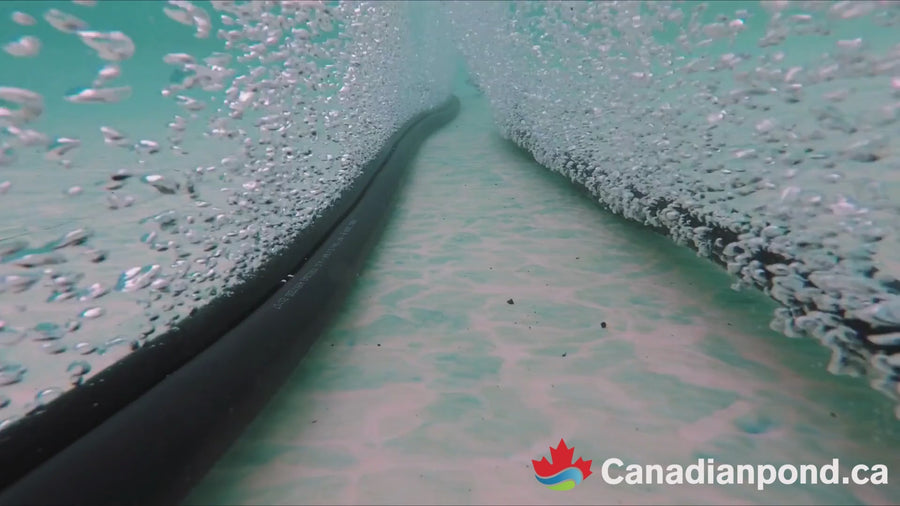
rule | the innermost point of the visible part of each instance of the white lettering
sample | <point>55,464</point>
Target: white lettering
<point>707,472</point>
<point>604,471</point>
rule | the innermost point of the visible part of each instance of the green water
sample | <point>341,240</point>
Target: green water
<point>503,309</point>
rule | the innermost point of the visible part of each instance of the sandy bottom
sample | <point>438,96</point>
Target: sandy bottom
<point>431,388</point>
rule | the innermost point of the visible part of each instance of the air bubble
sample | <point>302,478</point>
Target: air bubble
<point>99,95</point>
<point>54,347</point>
<point>85,348</point>
<point>107,73</point>
<point>25,47</point>
<point>10,336</point>
<point>9,421</point>
<point>161,184</point>
<point>111,46</point>
<point>137,278</point>
<point>11,374</point>
<point>63,22</point>
<point>47,395</point>
<point>60,147</point>
<point>92,313</point>
<point>20,18</point>
<point>78,368</point>
<point>47,331</point>
<point>17,283</point>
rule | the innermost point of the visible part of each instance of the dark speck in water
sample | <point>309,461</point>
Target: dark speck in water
<point>510,301</point>
<point>603,325</point>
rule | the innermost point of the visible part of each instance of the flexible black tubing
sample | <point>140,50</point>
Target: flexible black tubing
<point>146,429</point>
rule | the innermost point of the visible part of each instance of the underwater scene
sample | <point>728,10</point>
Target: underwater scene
<point>657,234</point>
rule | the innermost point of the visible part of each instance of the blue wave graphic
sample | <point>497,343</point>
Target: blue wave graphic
<point>569,473</point>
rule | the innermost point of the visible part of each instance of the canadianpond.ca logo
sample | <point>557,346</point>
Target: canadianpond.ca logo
<point>561,473</point>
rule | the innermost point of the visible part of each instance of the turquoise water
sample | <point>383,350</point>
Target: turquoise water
<point>153,154</point>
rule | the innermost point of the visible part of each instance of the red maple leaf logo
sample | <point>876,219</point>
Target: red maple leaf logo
<point>561,458</point>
